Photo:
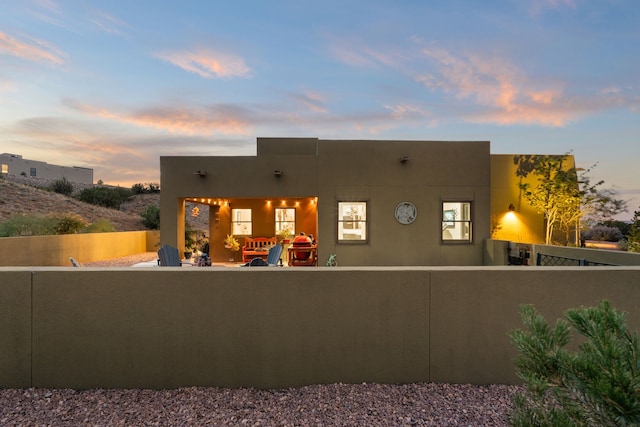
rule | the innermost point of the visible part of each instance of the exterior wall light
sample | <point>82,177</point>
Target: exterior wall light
<point>404,159</point>
<point>511,207</point>
<point>277,173</point>
<point>200,173</point>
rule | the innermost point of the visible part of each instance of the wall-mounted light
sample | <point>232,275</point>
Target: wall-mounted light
<point>511,207</point>
<point>404,158</point>
<point>200,173</point>
<point>277,173</point>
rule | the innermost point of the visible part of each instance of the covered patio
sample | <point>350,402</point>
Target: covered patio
<point>248,218</point>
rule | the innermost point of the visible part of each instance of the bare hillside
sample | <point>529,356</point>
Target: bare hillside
<point>17,198</point>
<point>24,199</point>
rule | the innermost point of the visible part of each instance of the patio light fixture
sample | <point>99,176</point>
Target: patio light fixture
<point>404,158</point>
<point>200,173</point>
<point>511,207</point>
<point>277,173</point>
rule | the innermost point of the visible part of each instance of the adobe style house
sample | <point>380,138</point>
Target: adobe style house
<point>15,164</point>
<point>376,203</point>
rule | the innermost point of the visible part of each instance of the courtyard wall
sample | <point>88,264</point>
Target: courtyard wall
<point>281,327</point>
<point>55,250</point>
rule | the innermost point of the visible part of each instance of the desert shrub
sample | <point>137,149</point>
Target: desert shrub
<point>102,225</point>
<point>145,189</point>
<point>27,225</point>
<point>105,196</point>
<point>603,233</point>
<point>62,186</point>
<point>138,188</point>
<point>151,217</point>
<point>67,223</point>
<point>597,385</point>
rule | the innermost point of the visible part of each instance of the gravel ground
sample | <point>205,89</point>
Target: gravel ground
<point>317,405</point>
<point>126,261</point>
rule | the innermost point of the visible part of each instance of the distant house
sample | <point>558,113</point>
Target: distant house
<point>15,164</point>
<point>369,202</point>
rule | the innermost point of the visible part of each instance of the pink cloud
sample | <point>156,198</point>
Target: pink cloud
<point>39,51</point>
<point>181,121</point>
<point>497,84</point>
<point>207,64</point>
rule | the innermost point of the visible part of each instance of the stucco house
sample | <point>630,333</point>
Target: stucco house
<point>370,202</point>
<point>15,164</point>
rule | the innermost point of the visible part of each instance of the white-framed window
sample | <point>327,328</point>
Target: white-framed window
<point>5,169</point>
<point>32,171</point>
<point>456,222</point>
<point>352,221</point>
<point>285,221</point>
<point>241,222</point>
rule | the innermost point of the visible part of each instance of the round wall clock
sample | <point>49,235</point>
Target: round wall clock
<point>406,212</point>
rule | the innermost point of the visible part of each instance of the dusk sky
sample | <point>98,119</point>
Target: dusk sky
<point>113,85</point>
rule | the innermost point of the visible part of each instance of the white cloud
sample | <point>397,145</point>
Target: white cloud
<point>207,63</point>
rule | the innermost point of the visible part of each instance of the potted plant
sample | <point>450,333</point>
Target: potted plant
<point>232,244</point>
<point>189,240</point>
<point>284,235</point>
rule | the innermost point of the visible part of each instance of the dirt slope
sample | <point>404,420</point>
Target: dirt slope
<point>23,199</point>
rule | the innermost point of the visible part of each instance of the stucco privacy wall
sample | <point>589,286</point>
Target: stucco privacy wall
<point>15,328</point>
<point>86,247</point>
<point>272,328</point>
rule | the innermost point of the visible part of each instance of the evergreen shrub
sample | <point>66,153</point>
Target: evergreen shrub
<point>597,385</point>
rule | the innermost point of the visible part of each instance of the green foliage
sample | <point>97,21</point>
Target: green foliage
<point>27,225</point>
<point>145,189</point>
<point>109,197</point>
<point>603,233</point>
<point>189,236</point>
<point>151,217</point>
<point>562,196</point>
<point>62,186</point>
<point>100,226</point>
<point>634,233</point>
<point>597,385</point>
<point>67,223</point>
<point>41,225</point>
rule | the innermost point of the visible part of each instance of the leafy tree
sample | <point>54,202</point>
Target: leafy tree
<point>597,385</point>
<point>62,186</point>
<point>562,196</point>
<point>151,217</point>
<point>557,194</point>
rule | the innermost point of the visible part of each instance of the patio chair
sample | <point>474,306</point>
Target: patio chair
<point>273,258</point>
<point>169,256</point>
<point>74,262</point>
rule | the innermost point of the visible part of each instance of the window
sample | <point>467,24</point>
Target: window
<point>456,221</point>
<point>32,172</point>
<point>285,221</point>
<point>352,221</point>
<point>241,222</point>
<point>5,168</point>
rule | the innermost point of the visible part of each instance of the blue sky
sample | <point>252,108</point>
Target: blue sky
<point>113,85</point>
